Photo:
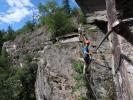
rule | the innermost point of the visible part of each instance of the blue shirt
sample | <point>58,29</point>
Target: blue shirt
<point>85,50</point>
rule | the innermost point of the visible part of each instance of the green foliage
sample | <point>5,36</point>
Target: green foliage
<point>51,7</point>
<point>28,27</point>
<point>82,98</point>
<point>55,18</point>
<point>9,35</point>
<point>17,83</point>
<point>66,7</point>
<point>75,12</point>
<point>59,24</point>
<point>79,77</point>
<point>82,18</point>
<point>1,40</point>
<point>78,67</point>
<point>27,76</point>
<point>4,59</point>
<point>44,10</point>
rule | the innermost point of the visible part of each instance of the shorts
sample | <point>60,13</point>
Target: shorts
<point>86,58</point>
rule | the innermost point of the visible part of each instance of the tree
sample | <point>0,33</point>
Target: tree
<point>42,9</point>
<point>56,18</point>
<point>46,9</point>
<point>1,39</point>
<point>58,24</point>
<point>10,33</point>
<point>67,6</point>
<point>29,26</point>
<point>17,83</point>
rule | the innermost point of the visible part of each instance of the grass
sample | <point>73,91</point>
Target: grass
<point>78,66</point>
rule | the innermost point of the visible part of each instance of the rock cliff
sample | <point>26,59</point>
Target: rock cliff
<point>55,74</point>
<point>122,50</point>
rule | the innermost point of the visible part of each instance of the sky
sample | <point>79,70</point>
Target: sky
<point>16,12</point>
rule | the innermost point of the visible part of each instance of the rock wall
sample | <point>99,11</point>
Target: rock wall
<point>125,8</point>
<point>123,68</point>
<point>122,50</point>
<point>54,78</point>
<point>89,6</point>
<point>55,73</point>
<point>122,57</point>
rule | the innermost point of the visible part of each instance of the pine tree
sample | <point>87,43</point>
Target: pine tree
<point>10,33</point>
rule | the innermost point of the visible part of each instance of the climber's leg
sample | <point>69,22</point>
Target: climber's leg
<point>84,69</point>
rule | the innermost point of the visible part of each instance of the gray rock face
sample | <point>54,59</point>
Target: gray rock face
<point>89,6</point>
<point>54,78</point>
<point>125,8</point>
<point>122,50</point>
<point>93,9</point>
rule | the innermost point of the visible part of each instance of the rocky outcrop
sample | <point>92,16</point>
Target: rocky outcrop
<point>93,9</point>
<point>54,79</point>
<point>122,57</point>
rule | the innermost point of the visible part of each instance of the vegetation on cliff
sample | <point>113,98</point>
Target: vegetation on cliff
<point>17,81</point>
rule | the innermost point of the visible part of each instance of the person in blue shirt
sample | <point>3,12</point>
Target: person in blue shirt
<point>86,53</point>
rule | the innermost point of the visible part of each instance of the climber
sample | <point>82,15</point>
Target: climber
<point>86,53</point>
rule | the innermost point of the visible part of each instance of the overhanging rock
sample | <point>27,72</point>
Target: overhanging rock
<point>95,8</point>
